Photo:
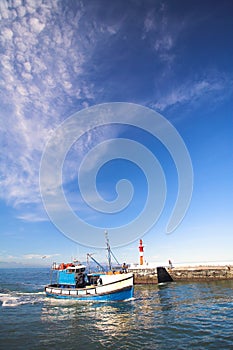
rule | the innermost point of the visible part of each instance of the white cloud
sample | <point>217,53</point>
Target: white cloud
<point>192,92</point>
<point>21,11</point>
<point>162,31</point>
<point>7,33</point>
<point>149,23</point>
<point>32,217</point>
<point>4,14</point>
<point>27,66</point>
<point>20,260</point>
<point>33,256</point>
<point>40,70</point>
<point>16,3</point>
<point>36,25</point>
<point>164,44</point>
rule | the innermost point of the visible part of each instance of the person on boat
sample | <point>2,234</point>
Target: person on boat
<point>80,280</point>
<point>99,281</point>
<point>124,267</point>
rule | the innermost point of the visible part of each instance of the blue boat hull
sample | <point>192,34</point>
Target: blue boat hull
<point>124,294</point>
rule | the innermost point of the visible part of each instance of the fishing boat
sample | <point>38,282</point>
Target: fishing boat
<point>73,282</point>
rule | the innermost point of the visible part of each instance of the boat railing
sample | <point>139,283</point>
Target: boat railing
<point>70,291</point>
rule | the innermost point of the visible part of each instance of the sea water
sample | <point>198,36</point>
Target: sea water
<point>171,316</point>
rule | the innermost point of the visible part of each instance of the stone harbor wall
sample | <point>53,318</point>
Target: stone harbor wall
<point>197,273</point>
<point>145,275</point>
<point>145,279</point>
<point>202,273</point>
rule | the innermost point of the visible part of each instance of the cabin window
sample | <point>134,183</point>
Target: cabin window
<point>80,270</point>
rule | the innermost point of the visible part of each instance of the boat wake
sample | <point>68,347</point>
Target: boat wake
<point>14,299</point>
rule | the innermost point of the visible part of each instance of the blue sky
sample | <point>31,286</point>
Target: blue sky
<point>61,57</point>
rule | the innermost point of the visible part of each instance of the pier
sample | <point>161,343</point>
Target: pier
<point>146,275</point>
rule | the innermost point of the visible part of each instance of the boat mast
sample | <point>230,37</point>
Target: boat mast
<point>108,250</point>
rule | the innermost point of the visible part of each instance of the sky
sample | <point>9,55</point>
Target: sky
<point>63,66</point>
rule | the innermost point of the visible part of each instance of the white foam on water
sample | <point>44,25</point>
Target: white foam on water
<point>9,300</point>
<point>19,298</point>
<point>30,293</point>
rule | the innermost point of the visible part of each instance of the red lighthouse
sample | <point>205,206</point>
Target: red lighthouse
<point>141,251</point>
